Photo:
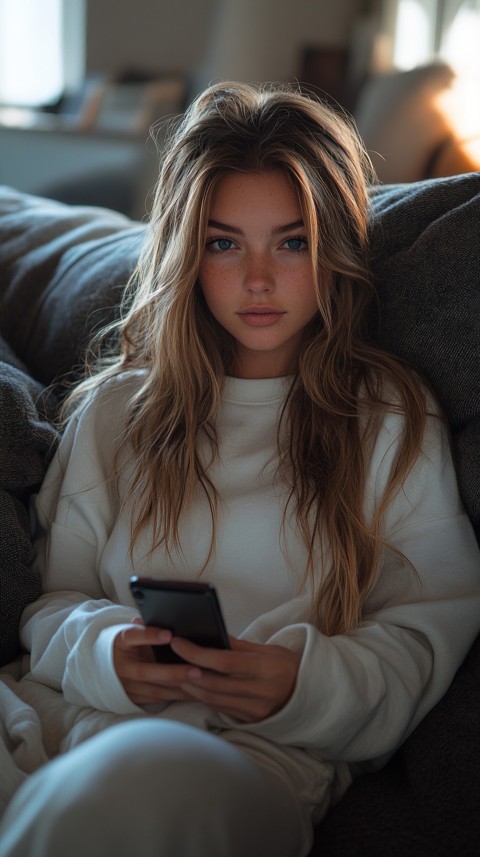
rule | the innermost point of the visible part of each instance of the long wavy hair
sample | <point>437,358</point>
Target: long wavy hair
<point>338,394</point>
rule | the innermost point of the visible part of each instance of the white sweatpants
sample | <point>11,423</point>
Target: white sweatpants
<point>153,788</point>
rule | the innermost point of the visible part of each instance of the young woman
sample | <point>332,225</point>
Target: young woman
<point>247,433</point>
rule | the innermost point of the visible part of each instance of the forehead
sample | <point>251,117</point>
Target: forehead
<point>243,194</point>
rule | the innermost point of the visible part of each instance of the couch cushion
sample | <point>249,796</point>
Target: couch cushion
<point>27,442</point>
<point>402,121</point>
<point>63,269</point>
<point>425,801</point>
<point>426,262</point>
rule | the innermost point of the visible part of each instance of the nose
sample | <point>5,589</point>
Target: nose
<point>259,276</point>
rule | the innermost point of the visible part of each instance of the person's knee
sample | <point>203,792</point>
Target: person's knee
<point>154,787</point>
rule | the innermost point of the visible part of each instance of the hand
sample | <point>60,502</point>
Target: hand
<point>249,682</point>
<point>145,681</point>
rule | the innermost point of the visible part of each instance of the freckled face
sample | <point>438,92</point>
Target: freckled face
<point>256,273</point>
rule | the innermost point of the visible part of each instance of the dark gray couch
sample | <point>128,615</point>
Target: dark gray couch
<point>62,270</point>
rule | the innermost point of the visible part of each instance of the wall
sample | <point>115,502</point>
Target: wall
<point>213,39</point>
<point>259,41</point>
<point>147,34</point>
<point>207,39</point>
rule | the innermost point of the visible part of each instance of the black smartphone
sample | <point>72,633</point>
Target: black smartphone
<point>190,610</point>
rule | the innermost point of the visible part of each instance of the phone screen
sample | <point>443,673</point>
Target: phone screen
<point>190,610</point>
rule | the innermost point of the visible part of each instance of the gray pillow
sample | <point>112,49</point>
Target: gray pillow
<point>62,272</point>
<point>27,442</point>
<point>426,262</point>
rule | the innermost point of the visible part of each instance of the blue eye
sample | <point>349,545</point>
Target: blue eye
<point>296,244</point>
<point>220,245</point>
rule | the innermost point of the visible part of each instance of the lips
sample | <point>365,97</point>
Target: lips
<point>261,316</point>
<point>260,309</point>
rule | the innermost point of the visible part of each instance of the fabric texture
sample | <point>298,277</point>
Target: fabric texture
<point>356,695</point>
<point>426,261</point>
<point>409,646</point>
<point>27,443</point>
<point>425,801</point>
<point>62,270</point>
<point>401,120</point>
<point>62,273</point>
<point>230,806</point>
<point>426,264</point>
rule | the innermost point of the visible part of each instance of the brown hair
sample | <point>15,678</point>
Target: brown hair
<point>338,394</point>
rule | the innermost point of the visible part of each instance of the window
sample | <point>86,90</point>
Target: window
<point>461,40</point>
<point>446,30</point>
<point>414,33</point>
<point>41,50</point>
<point>443,29</point>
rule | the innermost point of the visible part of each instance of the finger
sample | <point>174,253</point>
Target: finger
<point>148,698</point>
<point>266,649</point>
<point>223,686</point>
<point>144,693</point>
<point>247,709</point>
<point>143,635</point>
<point>220,660</point>
<point>245,645</point>
<point>215,688</point>
<point>151,672</point>
<point>144,701</point>
<point>253,661</point>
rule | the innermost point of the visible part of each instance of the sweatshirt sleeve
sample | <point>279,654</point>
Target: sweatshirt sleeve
<point>359,695</point>
<point>70,630</point>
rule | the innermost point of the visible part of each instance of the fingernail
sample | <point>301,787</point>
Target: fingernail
<point>194,673</point>
<point>164,636</point>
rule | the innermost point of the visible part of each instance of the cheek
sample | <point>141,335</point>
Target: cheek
<point>205,279</point>
<point>212,285</point>
<point>306,294</point>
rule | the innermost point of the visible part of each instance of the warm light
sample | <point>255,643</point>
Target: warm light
<point>461,48</point>
<point>416,24</point>
<point>412,34</point>
<point>462,43</point>
<point>459,105</point>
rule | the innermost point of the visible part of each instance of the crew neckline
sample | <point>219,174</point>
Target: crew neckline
<point>256,390</point>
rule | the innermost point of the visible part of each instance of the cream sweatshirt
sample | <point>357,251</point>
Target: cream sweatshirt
<point>358,695</point>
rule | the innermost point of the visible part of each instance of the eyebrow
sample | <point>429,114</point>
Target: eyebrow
<point>277,230</point>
